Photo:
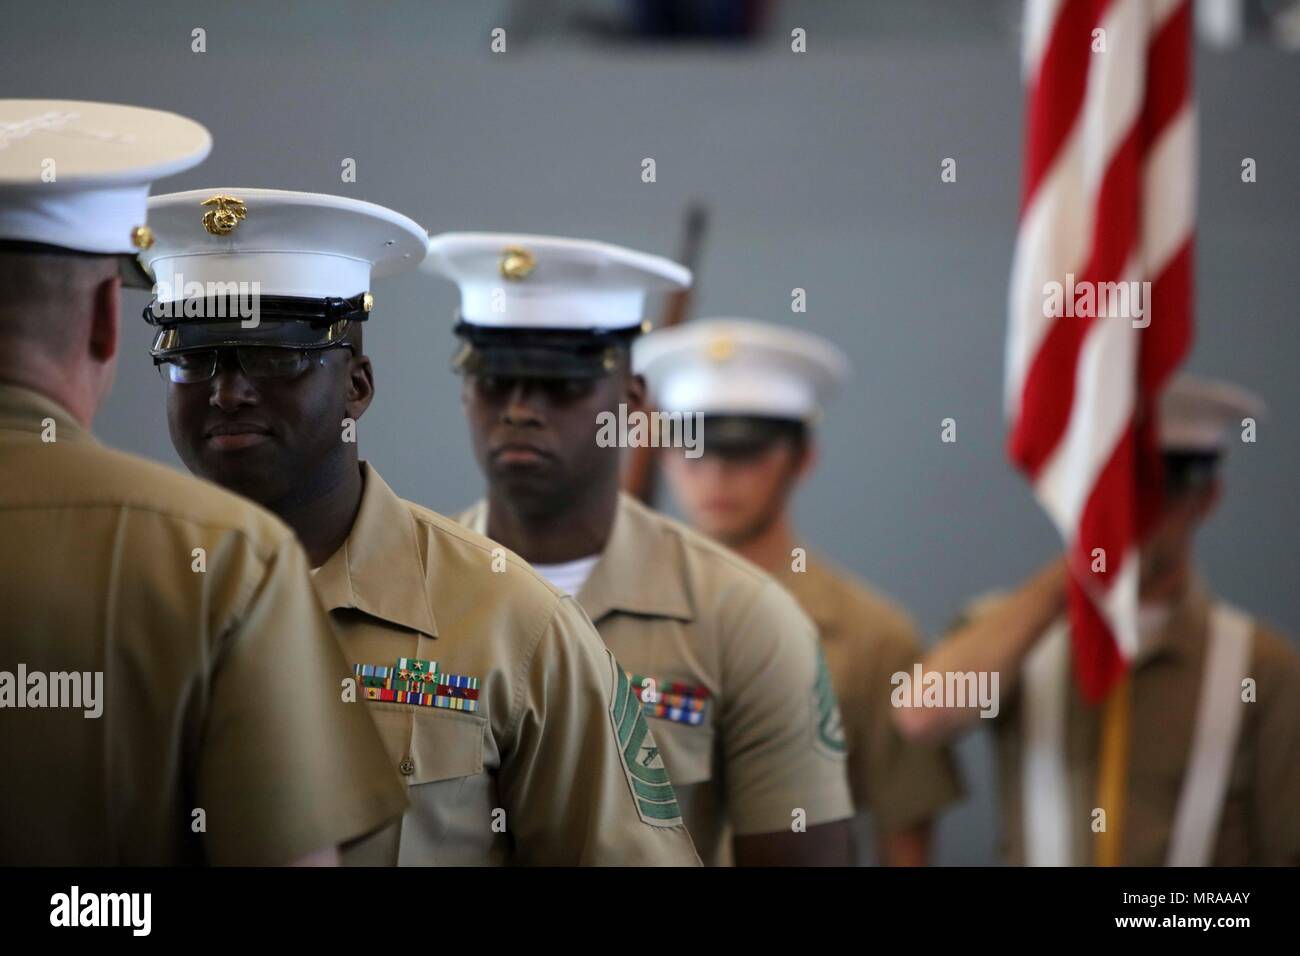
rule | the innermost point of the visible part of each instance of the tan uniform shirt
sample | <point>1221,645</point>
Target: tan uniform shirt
<point>727,648</point>
<point>548,761</point>
<point>222,682</point>
<point>1260,824</point>
<point>867,639</point>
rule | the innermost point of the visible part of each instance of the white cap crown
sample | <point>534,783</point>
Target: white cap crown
<point>546,282</point>
<point>1200,414</point>
<point>77,175</point>
<point>728,366</point>
<point>305,245</point>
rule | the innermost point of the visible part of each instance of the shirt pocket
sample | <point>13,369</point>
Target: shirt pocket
<point>429,744</point>
<point>451,799</point>
<point>445,745</point>
<point>687,750</point>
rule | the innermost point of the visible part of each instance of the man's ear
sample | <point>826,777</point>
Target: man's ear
<point>361,386</point>
<point>105,319</point>
<point>635,390</point>
<point>1208,500</point>
<point>809,457</point>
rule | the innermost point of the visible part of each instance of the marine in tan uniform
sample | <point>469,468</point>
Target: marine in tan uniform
<point>760,387</point>
<point>1213,766</point>
<point>170,690</point>
<point>516,736</point>
<point>726,664</point>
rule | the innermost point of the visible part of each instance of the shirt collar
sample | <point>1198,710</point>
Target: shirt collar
<point>379,569</point>
<point>475,517</point>
<point>641,570</point>
<point>23,410</point>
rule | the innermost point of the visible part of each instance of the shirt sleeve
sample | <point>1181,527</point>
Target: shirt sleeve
<point>902,783</point>
<point>583,781</point>
<point>288,763</point>
<point>1276,824</point>
<point>1008,698</point>
<point>782,736</point>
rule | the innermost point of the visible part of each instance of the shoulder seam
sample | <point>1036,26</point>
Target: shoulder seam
<point>441,523</point>
<point>697,543</point>
<point>526,666</point>
<point>123,506</point>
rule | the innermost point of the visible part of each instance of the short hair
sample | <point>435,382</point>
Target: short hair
<point>39,290</point>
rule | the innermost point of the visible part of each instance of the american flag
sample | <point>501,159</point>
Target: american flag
<point>1109,193</point>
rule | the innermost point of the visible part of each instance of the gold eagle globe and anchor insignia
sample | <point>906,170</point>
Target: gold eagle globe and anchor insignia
<point>228,213</point>
<point>516,263</point>
<point>721,348</point>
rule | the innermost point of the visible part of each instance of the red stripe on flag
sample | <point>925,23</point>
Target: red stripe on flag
<point>1048,395</point>
<point>1166,341</point>
<point>1056,93</point>
<point>1168,75</point>
<point>1097,661</point>
<point>1163,345</point>
<point>1107,521</point>
<point>1124,499</point>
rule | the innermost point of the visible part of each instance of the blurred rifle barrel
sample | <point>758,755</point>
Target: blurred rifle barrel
<point>640,475</point>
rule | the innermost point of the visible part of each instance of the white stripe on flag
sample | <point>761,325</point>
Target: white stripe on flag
<point>1116,84</point>
<point>1053,240</point>
<point>1120,605</point>
<point>1056,230</point>
<point>1161,11</point>
<point>1040,17</point>
<point>1105,389</point>
<point>1169,192</point>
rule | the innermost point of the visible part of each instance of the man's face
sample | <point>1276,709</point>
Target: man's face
<point>733,497</point>
<point>1169,546</point>
<point>535,439</point>
<point>268,438</point>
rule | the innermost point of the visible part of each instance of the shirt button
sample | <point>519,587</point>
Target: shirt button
<point>407,766</point>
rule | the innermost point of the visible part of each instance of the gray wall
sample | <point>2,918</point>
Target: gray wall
<point>821,170</point>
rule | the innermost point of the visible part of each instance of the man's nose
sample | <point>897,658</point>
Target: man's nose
<point>715,468</point>
<point>521,405</point>
<point>230,386</point>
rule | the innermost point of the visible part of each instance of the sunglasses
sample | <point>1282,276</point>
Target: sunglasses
<point>256,362</point>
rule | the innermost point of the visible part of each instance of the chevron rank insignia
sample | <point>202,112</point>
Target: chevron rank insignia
<point>830,727</point>
<point>642,764</point>
<point>669,700</point>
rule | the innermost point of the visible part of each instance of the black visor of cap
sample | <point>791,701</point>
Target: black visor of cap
<point>321,312</point>
<point>530,353</point>
<point>281,321</point>
<point>288,333</point>
<point>133,274</point>
<point>739,435</point>
<point>1189,469</point>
